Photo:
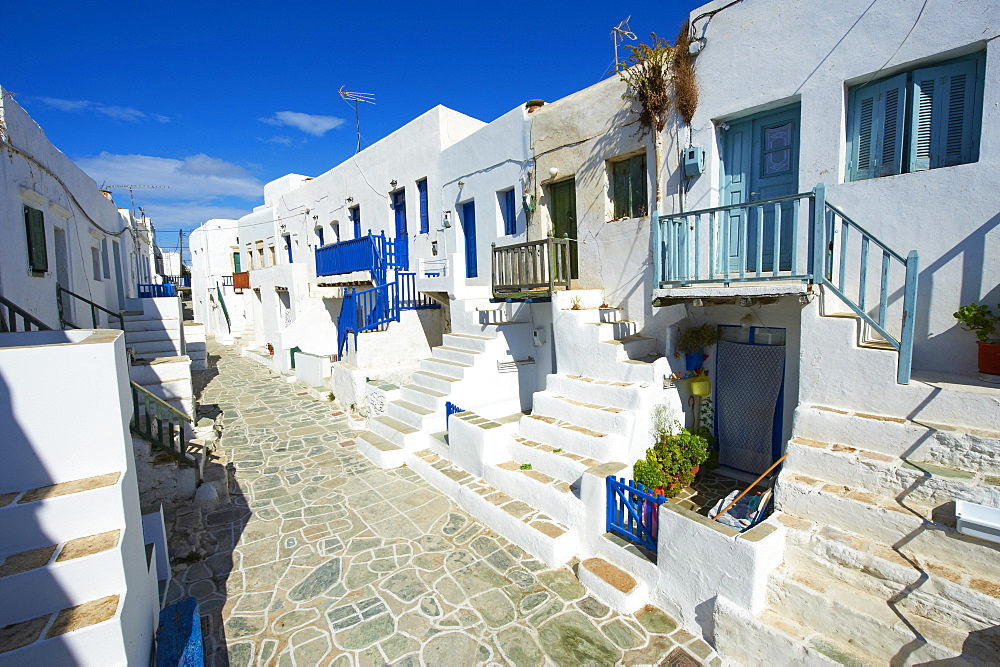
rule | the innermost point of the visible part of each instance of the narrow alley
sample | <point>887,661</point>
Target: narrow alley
<point>321,558</point>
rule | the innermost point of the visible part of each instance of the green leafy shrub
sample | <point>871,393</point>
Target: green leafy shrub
<point>981,321</point>
<point>675,452</point>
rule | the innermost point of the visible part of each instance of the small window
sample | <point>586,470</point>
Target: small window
<point>34,227</point>
<point>425,221</point>
<point>508,211</point>
<point>922,119</point>
<point>271,256</point>
<point>288,247</point>
<point>319,237</point>
<point>105,261</point>
<point>95,254</point>
<point>629,194</point>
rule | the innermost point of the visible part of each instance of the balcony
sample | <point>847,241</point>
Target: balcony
<point>373,253</point>
<point>241,280</point>
<point>531,271</point>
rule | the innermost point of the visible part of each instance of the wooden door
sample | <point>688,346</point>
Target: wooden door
<point>562,208</point>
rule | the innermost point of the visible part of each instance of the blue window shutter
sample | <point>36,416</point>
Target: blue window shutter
<point>890,136</point>
<point>425,225</point>
<point>620,188</point>
<point>638,194</point>
<point>34,225</point>
<point>942,115</point>
<point>509,214</point>
<point>866,116</point>
<point>319,235</point>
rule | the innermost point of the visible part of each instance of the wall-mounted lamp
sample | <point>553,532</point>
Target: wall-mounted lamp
<point>461,184</point>
<point>696,45</point>
<point>553,172</point>
<point>447,220</point>
<point>392,183</point>
<point>723,126</point>
<point>349,200</point>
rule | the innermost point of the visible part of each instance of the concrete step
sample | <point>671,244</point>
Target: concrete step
<point>615,330</point>
<point>58,636</point>
<point>917,589</point>
<point>535,532</point>
<point>612,585</point>
<point>157,353</point>
<point>380,451</point>
<point>593,416</point>
<point>626,395</point>
<point>965,447</point>
<point>439,383</point>
<point>414,415</point>
<point>152,335</point>
<point>423,396</point>
<point>458,355</point>
<point>864,623</point>
<point>557,498</point>
<point>445,368</point>
<point>560,464</point>
<point>921,532</point>
<point>633,347</point>
<point>924,482</point>
<point>79,569</point>
<point>395,431</point>
<point>570,437</point>
<point>469,342</point>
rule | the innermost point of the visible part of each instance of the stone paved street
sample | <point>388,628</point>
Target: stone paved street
<point>322,558</point>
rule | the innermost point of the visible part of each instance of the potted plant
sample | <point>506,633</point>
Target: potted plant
<point>673,460</point>
<point>270,349</point>
<point>981,321</point>
<point>692,342</point>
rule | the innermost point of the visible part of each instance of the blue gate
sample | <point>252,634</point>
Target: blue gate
<point>449,410</point>
<point>632,511</point>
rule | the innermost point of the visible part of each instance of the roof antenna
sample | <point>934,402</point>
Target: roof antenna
<point>349,97</point>
<point>619,34</point>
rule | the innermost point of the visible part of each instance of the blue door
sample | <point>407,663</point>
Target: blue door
<point>402,240</point>
<point>469,231</point>
<point>760,156</point>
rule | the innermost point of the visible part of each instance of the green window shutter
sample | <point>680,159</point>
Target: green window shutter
<point>942,116</point>
<point>621,189</point>
<point>34,225</point>
<point>890,145</point>
<point>637,181</point>
<point>236,262</point>
<point>862,135</point>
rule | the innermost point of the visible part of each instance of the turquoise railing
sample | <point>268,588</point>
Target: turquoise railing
<point>95,308</point>
<point>222,304</point>
<point>10,311</point>
<point>793,238</point>
<point>159,423</point>
<point>632,511</point>
<point>154,291</point>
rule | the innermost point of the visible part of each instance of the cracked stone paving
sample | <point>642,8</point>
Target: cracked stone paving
<point>322,558</point>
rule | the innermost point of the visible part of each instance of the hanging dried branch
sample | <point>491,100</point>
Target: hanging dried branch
<point>684,80</point>
<point>646,71</point>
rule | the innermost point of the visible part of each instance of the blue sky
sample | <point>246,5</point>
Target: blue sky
<point>213,99</point>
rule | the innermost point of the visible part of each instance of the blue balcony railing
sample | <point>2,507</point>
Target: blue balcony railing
<point>372,252</point>
<point>153,291</point>
<point>180,281</point>
<point>793,238</point>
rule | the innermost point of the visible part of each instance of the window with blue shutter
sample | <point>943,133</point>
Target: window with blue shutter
<point>921,119</point>
<point>354,213</point>
<point>508,211</point>
<point>425,220</point>
<point>34,229</point>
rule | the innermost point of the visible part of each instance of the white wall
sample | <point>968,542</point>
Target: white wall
<point>768,53</point>
<point>212,247</point>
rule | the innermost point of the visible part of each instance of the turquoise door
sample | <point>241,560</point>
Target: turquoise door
<point>760,159</point>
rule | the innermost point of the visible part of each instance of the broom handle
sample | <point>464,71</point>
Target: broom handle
<point>763,475</point>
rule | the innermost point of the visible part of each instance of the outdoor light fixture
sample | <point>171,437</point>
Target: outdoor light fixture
<point>349,200</point>
<point>461,184</point>
<point>746,301</point>
<point>723,126</point>
<point>447,219</point>
<point>553,172</point>
<point>392,183</point>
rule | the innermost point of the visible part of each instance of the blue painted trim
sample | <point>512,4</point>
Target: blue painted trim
<point>178,637</point>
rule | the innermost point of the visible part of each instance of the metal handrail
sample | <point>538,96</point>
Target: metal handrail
<point>225,311</point>
<point>227,281</point>
<point>94,307</point>
<point>159,423</point>
<point>8,322</point>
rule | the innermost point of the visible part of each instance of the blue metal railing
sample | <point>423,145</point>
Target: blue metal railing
<point>408,296</point>
<point>180,281</point>
<point>792,238</point>
<point>153,291</point>
<point>632,511</point>
<point>449,410</point>
<point>366,310</point>
<point>372,252</point>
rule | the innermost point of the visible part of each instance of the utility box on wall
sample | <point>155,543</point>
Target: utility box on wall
<point>694,161</point>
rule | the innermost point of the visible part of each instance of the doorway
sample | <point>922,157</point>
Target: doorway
<point>402,240</point>
<point>760,159</point>
<point>468,220</point>
<point>749,391</point>
<point>63,274</point>
<point>562,207</point>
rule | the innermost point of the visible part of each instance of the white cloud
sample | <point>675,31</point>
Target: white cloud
<point>309,123</point>
<point>168,216</point>
<point>110,110</point>
<point>196,177</point>
<point>278,139</point>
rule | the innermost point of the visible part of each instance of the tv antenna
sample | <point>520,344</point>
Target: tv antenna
<point>130,188</point>
<point>619,34</point>
<point>349,97</point>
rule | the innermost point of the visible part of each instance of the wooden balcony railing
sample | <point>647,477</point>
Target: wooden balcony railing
<point>241,280</point>
<point>533,266</point>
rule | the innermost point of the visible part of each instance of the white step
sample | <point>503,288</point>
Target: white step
<point>562,465</point>
<point>633,347</point>
<point>395,431</point>
<point>555,497</point>
<point>600,418</point>
<point>156,347</point>
<point>414,415</point>
<point>439,383</point>
<point>612,585</point>
<point>533,531</point>
<point>615,330</point>
<point>448,369</point>
<point>423,396</point>
<point>133,337</point>
<point>60,637</point>
<point>458,355</point>
<point>590,390</point>
<point>470,342</point>
<point>380,451</point>
<point>575,439</point>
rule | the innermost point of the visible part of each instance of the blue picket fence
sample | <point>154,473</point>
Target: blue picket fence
<point>180,281</point>
<point>153,291</point>
<point>632,511</point>
<point>449,410</point>
<point>371,252</point>
<point>372,308</point>
<point>410,298</point>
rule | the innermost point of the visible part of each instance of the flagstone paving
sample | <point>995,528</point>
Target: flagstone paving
<point>322,558</point>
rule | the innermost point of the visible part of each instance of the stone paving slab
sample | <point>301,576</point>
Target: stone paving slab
<point>322,558</point>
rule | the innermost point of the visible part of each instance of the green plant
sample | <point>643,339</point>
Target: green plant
<point>525,466</point>
<point>673,456</point>
<point>557,450</point>
<point>693,339</point>
<point>330,397</point>
<point>981,321</point>
<point>576,301</point>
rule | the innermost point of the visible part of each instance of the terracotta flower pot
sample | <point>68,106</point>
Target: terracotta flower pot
<point>989,358</point>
